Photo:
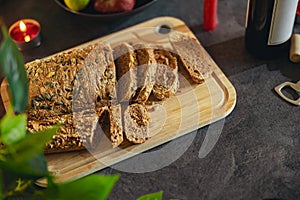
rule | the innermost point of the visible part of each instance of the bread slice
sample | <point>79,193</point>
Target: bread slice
<point>136,123</point>
<point>116,128</point>
<point>126,63</point>
<point>191,57</point>
<point>95,83</point>
<point>87,124</point>
<point>166,76</point>
<point>146,72</point>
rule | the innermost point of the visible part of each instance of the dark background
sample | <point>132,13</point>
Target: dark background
<point>258,153</point>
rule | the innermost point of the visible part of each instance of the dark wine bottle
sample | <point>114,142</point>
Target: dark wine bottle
<point>269,26</point>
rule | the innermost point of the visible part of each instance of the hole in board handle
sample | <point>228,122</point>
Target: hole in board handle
<point>164,29</point>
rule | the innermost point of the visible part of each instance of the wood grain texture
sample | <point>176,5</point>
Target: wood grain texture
<point>194,106</point>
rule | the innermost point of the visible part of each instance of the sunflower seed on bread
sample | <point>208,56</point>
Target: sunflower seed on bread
<point>50,83</point>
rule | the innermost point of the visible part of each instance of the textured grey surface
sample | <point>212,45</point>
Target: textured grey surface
<point>258,153</point>
<point>256,157</point>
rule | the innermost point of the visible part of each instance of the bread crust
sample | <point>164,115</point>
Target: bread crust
<point>50,83</point>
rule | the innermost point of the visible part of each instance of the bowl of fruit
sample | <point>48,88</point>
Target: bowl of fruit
<point>105,9</point>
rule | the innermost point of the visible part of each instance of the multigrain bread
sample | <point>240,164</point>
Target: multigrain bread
<point>77,131</point>
<point>146,72</point>
<point>51,83</point>
<point>115,127</point>
<point>191,57</point>
<point>166,76</point>
<point>79,87</point>
<point>136,123</point>
<point>126,67</point>
<point>66,139</point>
<point>77,80</point>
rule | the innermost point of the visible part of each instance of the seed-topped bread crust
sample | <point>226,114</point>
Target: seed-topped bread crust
<point>51,83</point>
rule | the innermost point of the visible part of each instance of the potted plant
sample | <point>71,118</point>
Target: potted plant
<point>21,162</point>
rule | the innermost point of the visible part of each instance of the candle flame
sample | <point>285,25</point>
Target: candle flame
<point>22,26</point>
<point>27,38</point>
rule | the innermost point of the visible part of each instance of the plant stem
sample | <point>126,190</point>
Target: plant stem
<point>1,184</point>
<point>3,28</point>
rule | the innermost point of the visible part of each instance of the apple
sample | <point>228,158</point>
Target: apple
<point>110,6</point>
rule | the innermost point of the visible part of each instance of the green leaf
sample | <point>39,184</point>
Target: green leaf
<point>33,168</point>
<point>12,64</point>
<point>13,128</point>
<point>38,164</point>
<point>153,196</point>
<point>93,187</point>
<point>33,144</point>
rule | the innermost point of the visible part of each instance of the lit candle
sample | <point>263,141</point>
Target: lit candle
<point>25,33</point>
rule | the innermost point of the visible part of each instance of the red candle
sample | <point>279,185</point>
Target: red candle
<point>25,33</point>
<point>210,15</point>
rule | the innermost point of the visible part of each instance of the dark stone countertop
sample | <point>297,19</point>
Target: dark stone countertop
<point>257,155</point>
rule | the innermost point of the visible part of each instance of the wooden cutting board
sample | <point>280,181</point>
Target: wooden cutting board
<point>194,106</point>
